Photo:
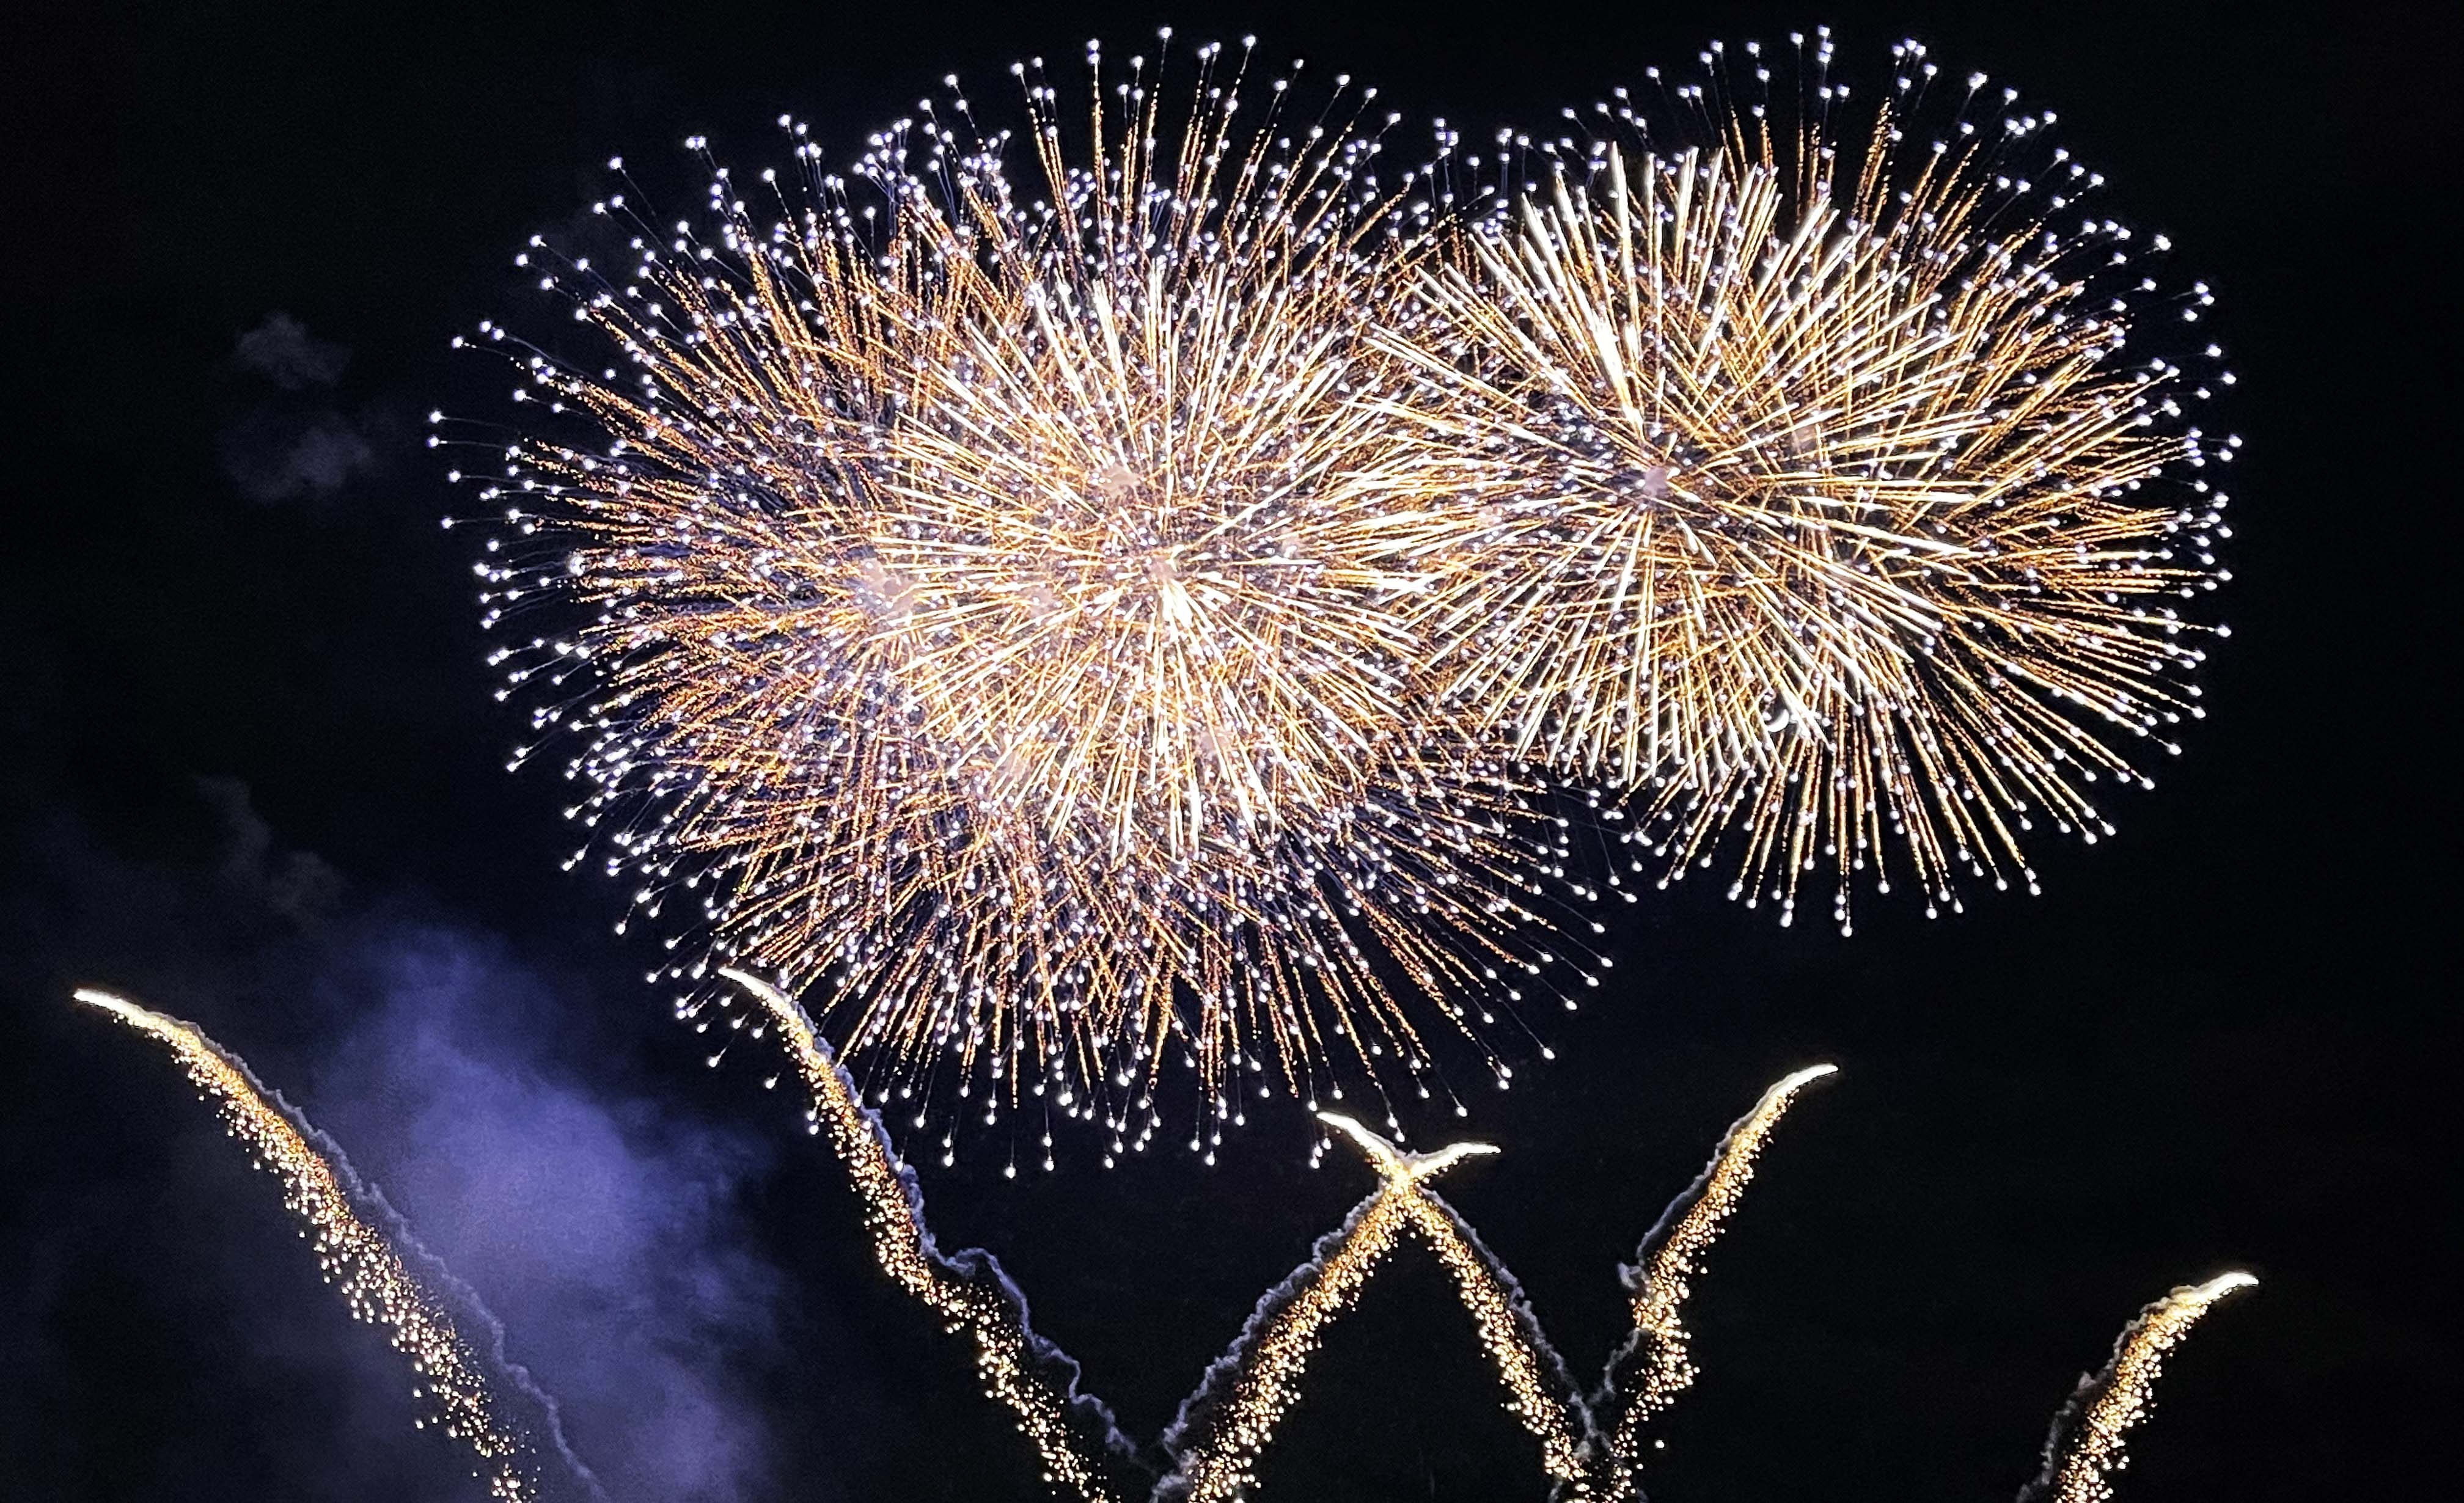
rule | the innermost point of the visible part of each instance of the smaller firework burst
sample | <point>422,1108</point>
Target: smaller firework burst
<point>1837,485</point>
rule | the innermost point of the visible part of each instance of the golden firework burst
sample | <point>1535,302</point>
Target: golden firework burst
<point>1826,495</point>
<point>1001,608</point>
<point>1128,605</point>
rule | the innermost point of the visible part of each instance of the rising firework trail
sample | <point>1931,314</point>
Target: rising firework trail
<point>365,1252</point>
<point>1587,1448</point>
<point>1656,1365</point>
<point>2084,1449</point>
<point>1225,1427</point>
<point>1019,1370</point>
<point>1592,1448</point>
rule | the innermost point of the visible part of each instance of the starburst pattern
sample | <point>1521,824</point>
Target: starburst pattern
<point>1070,602</point>
<point>1834,494</point>
<point>994,607</point>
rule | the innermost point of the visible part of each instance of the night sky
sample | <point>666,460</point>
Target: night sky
<point>254,778</point>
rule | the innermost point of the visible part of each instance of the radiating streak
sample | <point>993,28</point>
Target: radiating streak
<point>2084,1448</point>
<point>981,602</point>
<point>355,1258</point>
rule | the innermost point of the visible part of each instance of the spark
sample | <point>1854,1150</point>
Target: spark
<point>2084,1449</point>
<point>1835,500</point>
<point>1009,1356</point>
<point>1138,608</point>
<point>1542,1399</point>
<point>1540,1394</point>
<point>980,604</point>
<point>352,1256</point>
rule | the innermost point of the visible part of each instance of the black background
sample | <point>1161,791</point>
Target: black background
<point>2216,1041</point>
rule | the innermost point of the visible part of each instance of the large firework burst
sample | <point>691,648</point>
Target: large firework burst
<point>997,605</point>
<point>1113,606</point>
<point>1832,492</point>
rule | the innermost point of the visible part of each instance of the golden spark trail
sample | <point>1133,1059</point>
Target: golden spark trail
<point>1591,1451</point>
<point>1005,1351</point>
<point>354,1256</point>
<point>1224,1428</point>
<point>1541,1400</point>
<point>1218,1438</point>
<point>1541,1397</point>
<point>1218,1463</point>
<point>2085,1447</point>
<point>1656,1365</point>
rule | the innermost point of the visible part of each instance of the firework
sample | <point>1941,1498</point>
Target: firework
<point>1540,1392</point>
<point>1582,1458</point>
<point>985,606</point>
<point>1019,1370</point>
<point>353,1256</point>
<point>1592,1448</point>
<point>1831,494</point>
<point>1224,1428</point>
<point>1655,1366</point>
<point>2084,1448</point>
<point>1075,614</point>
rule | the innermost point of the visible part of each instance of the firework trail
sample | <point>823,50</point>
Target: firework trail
<point>1021,1370</point>
<point>1832,495</point>
<point>1222,1429</point>
<point>2084,1448</point>
<point>977,596</point>
<point>1654,1366</point>
<point>366,1251</point>
<point>1542,1393</point>
<point>1646,1376</point>
<point>1226,1425</point>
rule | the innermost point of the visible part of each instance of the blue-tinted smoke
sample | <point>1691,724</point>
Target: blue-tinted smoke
<point>604,1228</point>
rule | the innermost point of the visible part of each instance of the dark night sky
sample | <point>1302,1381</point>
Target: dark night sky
<point>254,778</point>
